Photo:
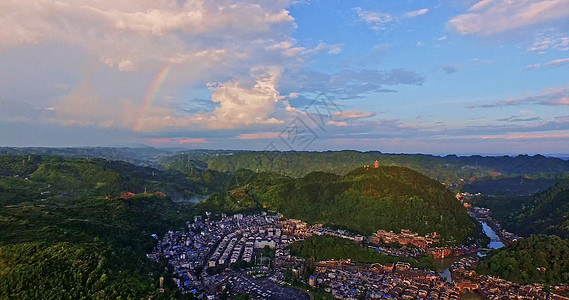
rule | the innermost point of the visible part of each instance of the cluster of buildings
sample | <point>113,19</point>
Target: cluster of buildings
<point>406,237</point>
<point>263,288</point>
<point>301,229</point>
<point>218,244</point>
<point>452,251</point>
<point>407,252</point>
<point>491,287</point>
<point>346,280</point>
<point>462,197</point>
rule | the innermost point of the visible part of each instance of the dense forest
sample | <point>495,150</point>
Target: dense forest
<point>330,247</point>
<point>66,232</point>
<point>546,212</point>
<point>509,186</point>
<point>363,200</point>
<point>536,259</point>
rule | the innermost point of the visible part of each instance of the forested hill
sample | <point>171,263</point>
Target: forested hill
<point>67,231</point>
<point>543,213</point>
<point>447,169</point>
<point>537,259</point>
<point>363,200</point>
<point>87,177</point>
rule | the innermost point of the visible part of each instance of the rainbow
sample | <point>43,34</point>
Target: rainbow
<point>153,89</point>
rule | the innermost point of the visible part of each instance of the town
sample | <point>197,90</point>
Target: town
<point>250,254</point>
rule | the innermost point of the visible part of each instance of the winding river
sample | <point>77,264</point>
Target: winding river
<point>443,265</point>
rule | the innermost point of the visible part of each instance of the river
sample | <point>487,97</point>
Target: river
<point>495,242</point>
<point>443,265</point>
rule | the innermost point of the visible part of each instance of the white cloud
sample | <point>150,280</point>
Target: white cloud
<point>288,48</point>
<point>201,40</point>
<point>83,108</point>
<point>543,43</point>
<point>241,106</point>
<point>374,19</point>
<point>552,64</point>
<point>337,123</point>
<point>558,62</point>
<point>488,17</point>
<point>533,66</point>
<point>126,34</point>
<point>417,13</point>
<point>552,96</point>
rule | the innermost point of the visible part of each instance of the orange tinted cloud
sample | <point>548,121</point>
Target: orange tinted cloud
<point>258,136</point>
<point>180,141</point>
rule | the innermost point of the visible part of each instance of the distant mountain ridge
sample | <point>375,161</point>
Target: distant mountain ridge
<point>136,155</point>
<point>448,169</point>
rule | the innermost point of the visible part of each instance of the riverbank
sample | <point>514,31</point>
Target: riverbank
<point>484,216</point>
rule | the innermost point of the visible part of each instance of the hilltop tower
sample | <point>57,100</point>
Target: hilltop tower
<point>376,164</point>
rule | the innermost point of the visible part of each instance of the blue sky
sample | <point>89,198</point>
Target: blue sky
<point>437,77</point>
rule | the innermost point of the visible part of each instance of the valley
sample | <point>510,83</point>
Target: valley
<point>250,232</point>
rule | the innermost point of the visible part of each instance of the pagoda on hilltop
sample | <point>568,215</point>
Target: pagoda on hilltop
<point>376,164</point>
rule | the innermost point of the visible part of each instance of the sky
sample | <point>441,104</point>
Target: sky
<point>406,76</point>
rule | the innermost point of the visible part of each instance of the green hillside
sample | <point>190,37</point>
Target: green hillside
<point>391,198</point>
<point>32,175</point>
<point>537,259</point>
<point>80,240</point>
<point>213,181</point>
<point>546,212</point>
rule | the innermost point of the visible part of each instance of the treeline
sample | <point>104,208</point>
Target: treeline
<point>364,201</point>
<point>536,259</point>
